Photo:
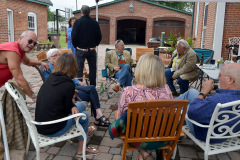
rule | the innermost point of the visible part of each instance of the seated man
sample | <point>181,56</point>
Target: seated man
<point>201,107</point>
<point>119,64</point>
<point>182,67</point>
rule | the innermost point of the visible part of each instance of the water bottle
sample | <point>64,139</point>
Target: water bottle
<point>102,89</point>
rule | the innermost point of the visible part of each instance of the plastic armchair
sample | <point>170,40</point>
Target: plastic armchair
<point>219,128</point>
<point>41,140</point>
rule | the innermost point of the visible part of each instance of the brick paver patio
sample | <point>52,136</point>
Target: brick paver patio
<point>110,149</point>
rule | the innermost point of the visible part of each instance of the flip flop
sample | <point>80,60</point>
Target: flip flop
<point>90,151</point>
<point>93,130</point>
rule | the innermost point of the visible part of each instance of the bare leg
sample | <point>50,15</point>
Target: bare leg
<point>80,147</point>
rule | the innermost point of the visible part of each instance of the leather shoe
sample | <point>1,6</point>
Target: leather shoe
<point>116,88</point>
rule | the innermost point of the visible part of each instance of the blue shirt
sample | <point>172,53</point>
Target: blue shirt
<point>201,111</point>
<point>46,74</point>
<point>69,43</point>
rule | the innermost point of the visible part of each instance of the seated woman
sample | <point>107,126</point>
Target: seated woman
<point>55,101</point>
<point>85,93</point>
<point>151,84</point>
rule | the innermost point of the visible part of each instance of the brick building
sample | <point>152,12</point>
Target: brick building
<point>17,16</point>
<point>214,24</point>
<point>144,21</point>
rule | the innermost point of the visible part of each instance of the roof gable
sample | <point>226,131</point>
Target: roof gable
<point>44,2</point>
<point>146,1</point>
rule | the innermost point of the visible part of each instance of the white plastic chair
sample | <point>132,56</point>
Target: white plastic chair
<point>41,140</point>
<point>219,122</point>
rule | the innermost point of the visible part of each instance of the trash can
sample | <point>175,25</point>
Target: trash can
<point>55,38</point>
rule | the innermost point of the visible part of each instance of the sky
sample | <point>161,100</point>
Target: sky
<point>60,4</point>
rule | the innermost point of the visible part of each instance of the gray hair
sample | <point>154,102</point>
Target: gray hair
<point>116,42</point>
<point>85,10</point>
<point>25,33</point>
<point>51,51</point>
<point>232,70</point>
<point>183,43</point>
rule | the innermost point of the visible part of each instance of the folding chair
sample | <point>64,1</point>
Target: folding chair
<point>111,81</point>
<point>207,56</point>
<point>41,140</point>
<point>219,128</point>
<point>154,120</point>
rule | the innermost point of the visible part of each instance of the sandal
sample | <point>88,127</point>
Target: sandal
<point>101,122</point>
<point>91,130</point>
<point>90,151</point>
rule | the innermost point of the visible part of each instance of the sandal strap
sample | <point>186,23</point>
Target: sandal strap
<point>100,120</point>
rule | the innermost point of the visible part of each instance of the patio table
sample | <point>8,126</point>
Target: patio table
<point>210,70</point>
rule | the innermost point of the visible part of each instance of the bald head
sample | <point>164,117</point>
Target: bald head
<point>231,71</point>
<point>27,41</point>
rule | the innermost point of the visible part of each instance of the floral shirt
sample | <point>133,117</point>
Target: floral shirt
<point>136,93</point>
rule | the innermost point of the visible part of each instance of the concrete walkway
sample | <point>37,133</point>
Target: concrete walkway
<point>110,149</point>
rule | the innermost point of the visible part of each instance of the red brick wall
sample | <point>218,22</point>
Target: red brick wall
<point>142,11</point>
<point>21,20</point>
<point>210,25</point>
<point>231,25</point>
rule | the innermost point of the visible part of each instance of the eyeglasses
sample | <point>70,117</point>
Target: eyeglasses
<point>30,41</point>
<point>56,55</point>
<point>222,75</point>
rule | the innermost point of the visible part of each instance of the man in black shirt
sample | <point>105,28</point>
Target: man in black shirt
<point>86,35</point>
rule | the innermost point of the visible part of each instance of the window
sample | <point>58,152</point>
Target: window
<point>32,22</point>
<point>161,23</point>
<point>204,24</point>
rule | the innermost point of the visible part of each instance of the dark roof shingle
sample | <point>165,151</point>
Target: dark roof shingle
<point>44,2</point>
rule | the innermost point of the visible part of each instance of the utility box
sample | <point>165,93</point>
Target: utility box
<point>55,38</point>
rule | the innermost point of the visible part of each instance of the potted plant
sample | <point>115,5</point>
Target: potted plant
<point>173,39</point>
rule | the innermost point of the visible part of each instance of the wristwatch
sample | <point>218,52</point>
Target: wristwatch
<point>34,96</point>
<point>202,95</point>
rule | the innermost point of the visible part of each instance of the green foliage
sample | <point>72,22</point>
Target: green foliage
<point>50,16</point>
<point>173,39</point>
<point>185,6</point>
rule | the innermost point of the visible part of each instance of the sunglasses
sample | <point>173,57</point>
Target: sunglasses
<point>30,41</point>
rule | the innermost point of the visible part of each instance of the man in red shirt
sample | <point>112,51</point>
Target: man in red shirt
<point>11,56</point>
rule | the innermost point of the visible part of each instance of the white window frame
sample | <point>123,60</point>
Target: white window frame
<point>204,25</point>
<point>34,29</point>
<point>197,19</point>
<point>10,26</point>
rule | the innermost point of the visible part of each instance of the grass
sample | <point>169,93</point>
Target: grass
<point>63,43</point>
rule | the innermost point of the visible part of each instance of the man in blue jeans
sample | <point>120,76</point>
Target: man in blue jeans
<point>201,108</point>
<point>182,67</point>
<point>119,63</point>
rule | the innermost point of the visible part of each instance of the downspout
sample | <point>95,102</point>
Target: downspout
<point>192,19</point>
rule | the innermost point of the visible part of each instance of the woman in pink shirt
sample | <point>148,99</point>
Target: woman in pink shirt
<point>151,84</point>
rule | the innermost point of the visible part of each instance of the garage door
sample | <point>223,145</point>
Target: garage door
<point>168,26</point>
<point>105,29</point>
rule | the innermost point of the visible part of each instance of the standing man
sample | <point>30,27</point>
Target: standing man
<point>11,56</point>
<point>86,35</point>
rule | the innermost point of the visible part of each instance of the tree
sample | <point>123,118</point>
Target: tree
<point>50,16</point>
<point>185,6</point>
